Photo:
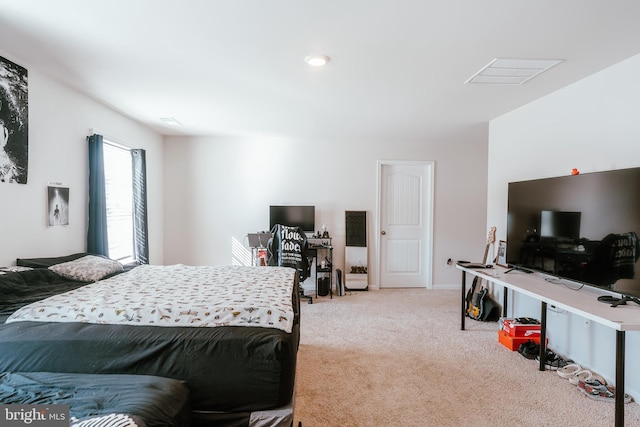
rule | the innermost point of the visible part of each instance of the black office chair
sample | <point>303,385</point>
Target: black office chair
<point>288,248</point>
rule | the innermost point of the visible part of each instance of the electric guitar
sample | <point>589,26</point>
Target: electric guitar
<point>473,299</point>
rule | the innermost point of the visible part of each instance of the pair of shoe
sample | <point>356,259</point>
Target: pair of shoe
<point>554,361</point>
<point>529,349</point>
<point>579,376</point>
<point>583,375</point>
<point>594,381</point>
<point>603,392</point>
<point>587,377</point>
<point>570,370</point>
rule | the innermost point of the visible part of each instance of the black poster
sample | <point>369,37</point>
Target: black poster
<point>14,123</point>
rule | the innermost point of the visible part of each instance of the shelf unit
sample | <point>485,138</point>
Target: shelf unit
<point>322,250</point>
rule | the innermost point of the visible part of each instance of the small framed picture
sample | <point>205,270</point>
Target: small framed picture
<point>57,204</point>
<point>502,254</point>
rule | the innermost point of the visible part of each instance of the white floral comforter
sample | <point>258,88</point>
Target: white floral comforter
<point>177,295</point>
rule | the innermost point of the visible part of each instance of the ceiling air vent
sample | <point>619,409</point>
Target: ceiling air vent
<point>510,71</point>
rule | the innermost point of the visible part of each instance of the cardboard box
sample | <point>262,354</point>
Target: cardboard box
<point>513,343</point>
<point>520,330</point>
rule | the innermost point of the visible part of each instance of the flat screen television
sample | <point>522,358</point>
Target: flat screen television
<point>580,227</point>
<point>560,225</point>
<point>302,216</point>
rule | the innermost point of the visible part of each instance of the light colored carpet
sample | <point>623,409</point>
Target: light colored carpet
<point>398,358</point>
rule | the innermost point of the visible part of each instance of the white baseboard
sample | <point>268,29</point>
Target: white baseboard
<point>446,287</point>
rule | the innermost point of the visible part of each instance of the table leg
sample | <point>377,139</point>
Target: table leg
<point>464,305</point>
<point>505,301</point>
<point>620,357</point>
<point>543,334</point>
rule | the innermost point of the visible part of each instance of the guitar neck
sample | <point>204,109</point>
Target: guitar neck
<point>490,239</point>
<point>486,252</point>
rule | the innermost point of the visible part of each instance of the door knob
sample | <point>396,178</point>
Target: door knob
<point>383,232</point>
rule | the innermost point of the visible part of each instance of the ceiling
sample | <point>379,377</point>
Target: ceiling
<point>236,67</point>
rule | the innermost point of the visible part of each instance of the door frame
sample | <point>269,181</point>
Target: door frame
<point>427,215</point>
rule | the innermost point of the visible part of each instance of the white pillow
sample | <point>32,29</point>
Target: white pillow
<point>89,268</point>
<point>121,420</point>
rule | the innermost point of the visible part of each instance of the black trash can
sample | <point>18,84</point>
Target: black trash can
<point>323,286</point>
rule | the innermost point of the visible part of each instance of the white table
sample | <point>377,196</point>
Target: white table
<point>583,303</point>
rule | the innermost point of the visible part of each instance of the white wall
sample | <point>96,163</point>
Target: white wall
<point>59,121</point>
<point>591,125</point>
<point>217,189</point>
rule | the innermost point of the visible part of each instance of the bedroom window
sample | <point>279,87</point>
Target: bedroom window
<point>119,198</point>
<point>117,220</point>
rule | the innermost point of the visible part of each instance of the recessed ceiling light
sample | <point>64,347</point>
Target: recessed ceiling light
<point>317,60</point>
<point>511,71</point>
<point>170,121</point>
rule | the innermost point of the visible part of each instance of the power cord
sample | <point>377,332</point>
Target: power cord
<point>614,301</point>
<point>554,309</point>
<point>559,281</point>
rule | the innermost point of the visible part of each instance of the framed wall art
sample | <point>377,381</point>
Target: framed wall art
<point>14,123</point>
<point>57,204</point>
<point>502,254</point>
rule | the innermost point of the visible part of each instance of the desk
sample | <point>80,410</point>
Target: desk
<point>583,303</point>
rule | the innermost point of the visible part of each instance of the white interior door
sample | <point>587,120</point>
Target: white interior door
<point>405,228</point>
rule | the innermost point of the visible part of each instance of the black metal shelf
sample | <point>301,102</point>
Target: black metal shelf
<point>320,249</point>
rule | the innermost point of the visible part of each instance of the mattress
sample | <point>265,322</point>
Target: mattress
<point>278,417</point>
<point>150,401</point>
<point>175,295</point>
<point>25,287</point>
<point>227,368</point>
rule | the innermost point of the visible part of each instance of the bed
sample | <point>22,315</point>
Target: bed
<point>122,400</point>
<point>237,357</point>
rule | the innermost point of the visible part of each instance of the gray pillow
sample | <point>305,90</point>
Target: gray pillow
<point>89,268</point>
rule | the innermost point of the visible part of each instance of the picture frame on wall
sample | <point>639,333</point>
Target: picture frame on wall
<point>501,259</point>
<point>57,204</point>
<point>14,123</point>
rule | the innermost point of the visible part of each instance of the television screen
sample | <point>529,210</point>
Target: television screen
<point>560,225</point>
<point>302,216</point>
<point>580,227</point>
